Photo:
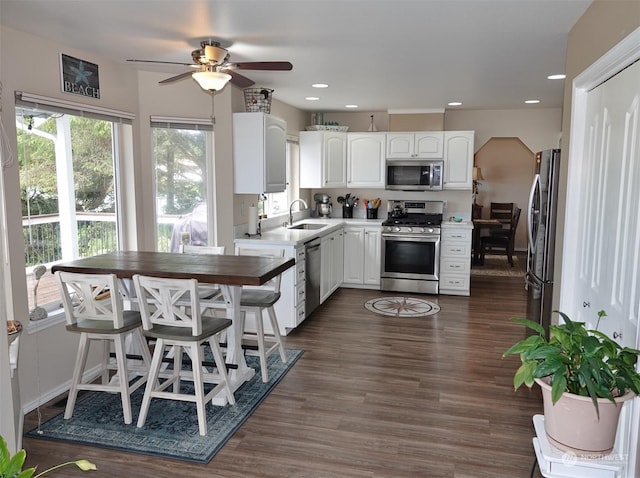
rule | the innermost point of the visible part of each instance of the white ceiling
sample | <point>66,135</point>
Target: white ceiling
<point>378,54</point>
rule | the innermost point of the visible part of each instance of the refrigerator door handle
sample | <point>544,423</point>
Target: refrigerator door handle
<point>534,185</point>
<point>532,280</point>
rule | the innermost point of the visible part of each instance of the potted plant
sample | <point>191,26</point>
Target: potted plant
<point>11,466</point>
<point>584,375</point>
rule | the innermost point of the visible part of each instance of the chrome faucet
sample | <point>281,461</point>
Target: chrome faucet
<point>291,206</point>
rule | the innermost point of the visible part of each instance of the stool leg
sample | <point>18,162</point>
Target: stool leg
<point>123,376</point>
<point>261,346</point>
<point>78,369</point>
<point>156,361</point>
<point>276,333</point>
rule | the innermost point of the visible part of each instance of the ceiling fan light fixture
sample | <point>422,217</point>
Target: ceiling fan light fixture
<point>211,80</point>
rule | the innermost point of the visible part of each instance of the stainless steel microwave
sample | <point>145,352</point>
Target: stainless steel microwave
<point>423,175</point>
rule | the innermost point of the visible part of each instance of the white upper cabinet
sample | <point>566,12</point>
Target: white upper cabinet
<point>259,153</point>
<point>323,159</point>
<point>365,160</point>
<point>458,159</point>
<point>426,145</point>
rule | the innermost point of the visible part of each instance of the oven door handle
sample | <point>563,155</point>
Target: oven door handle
<point>414,237</point>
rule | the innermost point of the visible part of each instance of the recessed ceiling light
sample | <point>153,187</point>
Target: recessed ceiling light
<point>350,106</point>
<point>312,98</point>
<point>454,103</point>
<point>556,77</point>
<point>320,85</point>
<point>532,102</point>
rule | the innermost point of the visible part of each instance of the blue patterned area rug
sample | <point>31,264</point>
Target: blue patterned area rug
<point>171,429</point>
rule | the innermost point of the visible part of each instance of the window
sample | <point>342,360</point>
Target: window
<point>67,163</point>
<point>278,203</point>
<point>181,151</point>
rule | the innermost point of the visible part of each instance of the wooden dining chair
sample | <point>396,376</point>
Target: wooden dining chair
<point>179,328</point>
<point>503,212</point>
<point>93,308</point>
<point>501,242</point>
<point>258,301</point>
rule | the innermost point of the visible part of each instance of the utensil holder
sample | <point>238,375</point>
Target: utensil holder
<point>372,213</point>
<point>347,212</point>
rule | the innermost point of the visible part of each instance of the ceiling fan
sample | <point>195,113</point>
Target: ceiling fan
<point>214,70</point>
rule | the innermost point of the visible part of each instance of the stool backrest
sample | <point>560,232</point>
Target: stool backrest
<point>273,284</point>
<point>163,302</point>
<point>189,249</point>
<point>91,296</point>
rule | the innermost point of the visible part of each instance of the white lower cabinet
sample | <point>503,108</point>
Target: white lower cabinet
<point>362,256</point>
<point>290,310</point>
<point>455,259</point>
<point>331,247</point>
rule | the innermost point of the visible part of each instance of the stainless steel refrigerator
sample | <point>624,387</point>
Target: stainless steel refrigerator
<point>541,228</point>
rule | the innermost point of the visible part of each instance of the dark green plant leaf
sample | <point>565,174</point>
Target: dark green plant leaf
<point>531,324</point>
<point>558,386</point>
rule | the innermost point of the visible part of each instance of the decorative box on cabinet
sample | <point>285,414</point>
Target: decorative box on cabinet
<point>423,145</point>
<point>362,256</point>
<point>323,159</point>
<point>331,247</point>
<point>259,153</point>
<point>365,160</point>
<point>290,310</point>
<point>455,259</point>
<point>458,159</point>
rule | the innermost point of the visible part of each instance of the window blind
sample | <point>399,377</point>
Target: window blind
<point>197,124</point>
<point>57,105</point>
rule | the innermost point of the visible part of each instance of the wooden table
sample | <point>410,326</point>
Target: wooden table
<point>230,272</point>
<point>478,225</point>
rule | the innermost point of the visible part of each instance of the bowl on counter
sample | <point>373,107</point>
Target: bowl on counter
<point>14,329</point>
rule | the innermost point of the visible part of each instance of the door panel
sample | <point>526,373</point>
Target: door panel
<point>603,252</point>
<point>609,224</point>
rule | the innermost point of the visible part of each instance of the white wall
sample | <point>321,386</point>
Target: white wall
<point>537,128</point>
<point>46,358</point>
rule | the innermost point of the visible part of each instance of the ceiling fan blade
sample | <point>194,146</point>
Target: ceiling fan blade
<point>263,65</point>
<point>164,62</point>
<point>238,79</point>
<point>181,76</point>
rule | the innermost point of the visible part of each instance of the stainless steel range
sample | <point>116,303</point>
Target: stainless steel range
<point>411,246</point>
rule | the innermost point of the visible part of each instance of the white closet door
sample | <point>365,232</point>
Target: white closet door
<point>601,267</point>
<point>607,240</point>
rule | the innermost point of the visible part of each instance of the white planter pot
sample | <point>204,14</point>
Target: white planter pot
<point>573,425</point>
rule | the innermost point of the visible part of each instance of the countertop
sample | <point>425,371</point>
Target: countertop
<point>462,224</point>
<point>282,236</point>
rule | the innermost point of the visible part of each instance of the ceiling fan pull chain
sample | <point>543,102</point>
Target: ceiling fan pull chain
<point>213,116</point>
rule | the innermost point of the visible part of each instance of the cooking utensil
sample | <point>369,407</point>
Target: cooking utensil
<point>398,212</point>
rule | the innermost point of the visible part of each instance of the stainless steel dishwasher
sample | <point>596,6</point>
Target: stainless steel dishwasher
<point>312,277</point>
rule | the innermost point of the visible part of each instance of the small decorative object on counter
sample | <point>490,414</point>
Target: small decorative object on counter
<point>38,313</point>
<point>14,329</point>
<point>372,126</point>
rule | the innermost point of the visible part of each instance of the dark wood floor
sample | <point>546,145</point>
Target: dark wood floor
<point>372,396</point>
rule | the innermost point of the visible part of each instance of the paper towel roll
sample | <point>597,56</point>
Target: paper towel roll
<point>253,221</point>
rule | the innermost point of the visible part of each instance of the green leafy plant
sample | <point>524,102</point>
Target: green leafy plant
<point>576,360</point>
<point>11,466</point>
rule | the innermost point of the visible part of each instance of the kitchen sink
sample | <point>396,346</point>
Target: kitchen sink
<point>307,225</point>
